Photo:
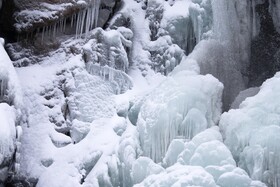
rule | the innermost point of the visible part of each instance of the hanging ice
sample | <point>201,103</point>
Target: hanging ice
<point>87,19</point>
<point>81,22</point>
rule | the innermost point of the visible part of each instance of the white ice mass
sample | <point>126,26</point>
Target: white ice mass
<point>143,93</point>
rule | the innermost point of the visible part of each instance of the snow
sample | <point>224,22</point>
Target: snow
<point>72,111</point>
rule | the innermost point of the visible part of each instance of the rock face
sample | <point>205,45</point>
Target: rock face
<point>7,21</point>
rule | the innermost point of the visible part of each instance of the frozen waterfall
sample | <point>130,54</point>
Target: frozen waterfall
<point>140,103</point>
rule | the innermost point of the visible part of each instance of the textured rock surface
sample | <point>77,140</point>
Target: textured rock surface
<point>33,14</point>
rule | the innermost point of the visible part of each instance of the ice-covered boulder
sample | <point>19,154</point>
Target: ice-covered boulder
<point>252,132</point>
<point>144,167</point>
<point>180,175</point>
<point>205,155</point>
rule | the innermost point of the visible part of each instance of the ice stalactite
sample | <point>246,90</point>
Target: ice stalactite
<point>54,30</point>
<point>87,19</point>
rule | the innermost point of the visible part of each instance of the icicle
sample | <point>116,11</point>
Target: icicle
<point>96,6</point>
<point>83,21</point>
<point>72,20</point>
<point>87,19</point>
<point>3,89</point>
<point>64,25</point>
<point>54,31</point>
<point>61,25</point>
<point>78,24</point>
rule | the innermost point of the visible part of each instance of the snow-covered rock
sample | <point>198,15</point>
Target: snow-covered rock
<point>7,138</point>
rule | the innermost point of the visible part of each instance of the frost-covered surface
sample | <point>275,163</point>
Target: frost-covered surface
<point>252,132</point>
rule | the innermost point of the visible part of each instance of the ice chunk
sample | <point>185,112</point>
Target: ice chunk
<point>235,178</point>
<point>144,167</point>
<point>212,153</point>
<point>179,175</point>
<point>205,136</point>
<point>174,149</point>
